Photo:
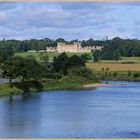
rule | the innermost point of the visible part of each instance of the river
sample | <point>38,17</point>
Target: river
<point>104,112</point>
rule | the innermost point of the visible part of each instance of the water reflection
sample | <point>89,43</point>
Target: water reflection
<point>21,113</point>
<point>101,113</point>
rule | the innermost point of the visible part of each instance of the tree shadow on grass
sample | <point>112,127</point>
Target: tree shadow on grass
<point>27,85</point>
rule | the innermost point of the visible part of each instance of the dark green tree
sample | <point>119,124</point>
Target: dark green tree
<point>12,67</point>
<point>97,56</point>
<point>17,66</point>
<point>5,53</point>
<point>75,61</point>
<point>60,63</point>
<point>85,57</point>
<point>116,55</point>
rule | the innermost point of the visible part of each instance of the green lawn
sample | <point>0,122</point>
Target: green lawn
<point>65,83</point>
<point>50,55</point>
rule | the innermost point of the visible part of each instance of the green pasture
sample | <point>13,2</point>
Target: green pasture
<point>50,55</point>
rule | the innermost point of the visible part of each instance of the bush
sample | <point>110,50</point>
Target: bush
<point>53,75</point>
<point>115,74</point>
<point>75,61</point>
<point>26,86</point>
<point>82,72</point>
<point>129,73</point>
<point>136,74</point>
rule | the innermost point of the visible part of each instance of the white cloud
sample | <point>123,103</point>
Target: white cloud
<point>3,16</point>
<point>68,20</point>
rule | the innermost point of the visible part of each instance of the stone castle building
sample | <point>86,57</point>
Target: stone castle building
<point>74,48</point>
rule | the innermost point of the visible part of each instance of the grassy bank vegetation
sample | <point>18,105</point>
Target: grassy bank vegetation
<point>66,72</point>
<point>7,90</point>
<point>45,84</point>
<point>118,75</point>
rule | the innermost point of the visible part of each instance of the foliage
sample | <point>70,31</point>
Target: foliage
<point>75,61</point>
<point>13,67</point>
<point>52,75</point>
<point>126,47</point>
<point>44,57</point>
<point>116,55</point>
<point>17,66</point>
<point>96,56</point>
<point>5,53</point>
<point>60,63</point>
<point>27,86</point>
<point>82,72</point>
<point>85,57</point>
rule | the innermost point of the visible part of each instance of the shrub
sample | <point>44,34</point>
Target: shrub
<point>115,74</point>
<point>75,61</point>
<point>102,69</point>
<point>129,73</point>
<point>27,85</point>
<point>136,74</point>
<point>82,72</point>
<point>53,75</point>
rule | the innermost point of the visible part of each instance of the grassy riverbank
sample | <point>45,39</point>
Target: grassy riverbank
<point>6,90</point>
<point>66,83</point>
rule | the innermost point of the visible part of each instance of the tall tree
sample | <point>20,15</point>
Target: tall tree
<point>116,55</point>
<point>96,56</point>
<point>60,63</point>
<point>75,61</point>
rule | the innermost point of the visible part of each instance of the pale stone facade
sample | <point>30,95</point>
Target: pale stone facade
<point>75,48</point>
<point>51,49</point>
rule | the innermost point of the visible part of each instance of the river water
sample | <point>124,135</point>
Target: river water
<point>104,112</point>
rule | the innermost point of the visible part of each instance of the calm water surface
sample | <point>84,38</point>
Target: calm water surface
<point>105,112</point>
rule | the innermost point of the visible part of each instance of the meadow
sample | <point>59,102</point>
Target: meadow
<point>113,66</point>
<point>50,55</point>
<point>124,64</point>
<point>123,60</point>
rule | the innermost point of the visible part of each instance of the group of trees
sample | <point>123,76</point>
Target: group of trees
<point>24,68</point>
<point>125,47</point>
<point>29,68</point>
<point>117,47</point>
<point>62,63</point>
<point>5,53</point>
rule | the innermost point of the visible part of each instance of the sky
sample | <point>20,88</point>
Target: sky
<point>69,20</point>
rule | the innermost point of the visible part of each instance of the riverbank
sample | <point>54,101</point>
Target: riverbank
<point>94,85</point>
<point>65,83</point>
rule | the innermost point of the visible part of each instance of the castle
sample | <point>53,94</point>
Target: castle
<point>74,48</point>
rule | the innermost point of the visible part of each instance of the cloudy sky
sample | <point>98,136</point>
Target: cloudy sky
<point>69,20</point>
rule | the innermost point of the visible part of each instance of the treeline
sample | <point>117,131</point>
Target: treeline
<point>113,48</point>
<point>116,48</point>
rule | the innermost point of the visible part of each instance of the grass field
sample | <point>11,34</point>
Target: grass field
<point>120,65</point>
<point>114,67</point>
<point>50,55</point>
<point>123,60</point>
